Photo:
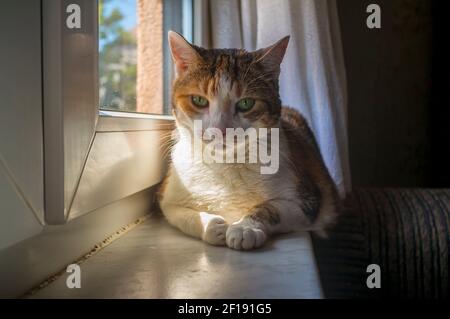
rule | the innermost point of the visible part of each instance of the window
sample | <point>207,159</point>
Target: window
<point>135,68</point>
<point>114,58</point>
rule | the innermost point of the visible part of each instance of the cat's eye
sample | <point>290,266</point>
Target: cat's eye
<point>199,101</point>
<point>245,105</point>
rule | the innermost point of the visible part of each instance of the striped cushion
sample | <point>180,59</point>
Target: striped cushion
<point>405,231</point>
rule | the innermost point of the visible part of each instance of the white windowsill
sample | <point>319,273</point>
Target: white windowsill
<point>135,115</point>
<point>116,121</point>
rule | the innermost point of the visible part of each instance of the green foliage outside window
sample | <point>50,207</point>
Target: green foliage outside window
<point>117,60</point>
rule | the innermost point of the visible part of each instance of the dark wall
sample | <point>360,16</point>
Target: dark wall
<point>440,114</point>
<point>389,73</point>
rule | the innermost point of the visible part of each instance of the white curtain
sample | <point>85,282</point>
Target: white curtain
<point>312,76</point>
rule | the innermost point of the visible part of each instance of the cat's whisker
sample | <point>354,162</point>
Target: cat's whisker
<point>262,76</point>
<point>166,150</point>
<point>166,144</point>
<point>166,140</point>
<point>248,69</point>
<point>259,76</point>
<point>166,137</point>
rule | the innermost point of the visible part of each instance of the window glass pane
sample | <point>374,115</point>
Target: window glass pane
<point>135,68</point>
<point>118,54</point>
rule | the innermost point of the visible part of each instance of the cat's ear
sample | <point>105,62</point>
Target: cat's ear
<point>272,56</point>
<point>183,53</point>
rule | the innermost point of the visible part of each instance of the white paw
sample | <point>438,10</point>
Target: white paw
<point>215,231</point>
<point>245,237</point>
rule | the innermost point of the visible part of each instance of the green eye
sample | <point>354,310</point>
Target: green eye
<point>199,101</point>
<point>245,105</point>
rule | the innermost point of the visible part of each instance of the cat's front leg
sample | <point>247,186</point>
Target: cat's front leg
<point>210,228</point>
<point>271,217</point>
<point>214,229</point>
<point>246,234</point>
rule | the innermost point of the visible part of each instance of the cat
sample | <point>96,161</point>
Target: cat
<point>233,204</point>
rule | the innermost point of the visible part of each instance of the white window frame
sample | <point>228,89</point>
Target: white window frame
<point>73,121</point>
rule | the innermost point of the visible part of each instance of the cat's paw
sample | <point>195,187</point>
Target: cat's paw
<point>215,231</point>
<point>245,237</point>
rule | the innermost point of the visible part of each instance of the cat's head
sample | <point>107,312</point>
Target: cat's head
<point>226,88</point>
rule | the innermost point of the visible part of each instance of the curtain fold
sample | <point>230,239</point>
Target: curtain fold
<point>312,79</point>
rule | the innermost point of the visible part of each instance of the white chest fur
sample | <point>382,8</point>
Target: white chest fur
<point>230,190</point>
